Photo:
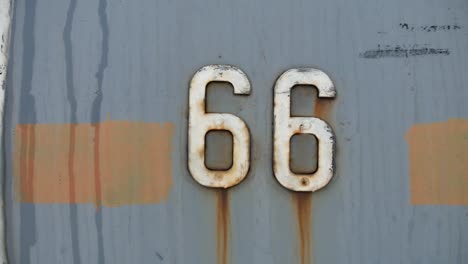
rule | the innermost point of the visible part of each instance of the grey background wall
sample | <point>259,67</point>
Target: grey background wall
<point>90,61</point>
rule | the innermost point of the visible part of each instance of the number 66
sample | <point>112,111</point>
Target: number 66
<point>285,127</point>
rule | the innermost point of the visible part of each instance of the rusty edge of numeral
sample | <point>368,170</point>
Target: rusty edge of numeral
<point>5,21</point>
<point>201,122</point>
<point>286,126</point>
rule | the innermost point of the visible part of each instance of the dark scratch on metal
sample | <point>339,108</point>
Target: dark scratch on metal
<point>159,256</point>
<point>95,118</point>
<point>402,52</point>
<point>68,47</point>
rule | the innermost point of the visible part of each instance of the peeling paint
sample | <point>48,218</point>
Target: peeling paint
<point>134,163</point>
<point>438,155</point>
<point>5,19</point>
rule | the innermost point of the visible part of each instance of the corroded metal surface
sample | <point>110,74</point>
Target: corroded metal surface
<point>5,19</point>
<point>400,71</point>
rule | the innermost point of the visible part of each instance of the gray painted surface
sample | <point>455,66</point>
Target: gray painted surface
<point>81,61</point>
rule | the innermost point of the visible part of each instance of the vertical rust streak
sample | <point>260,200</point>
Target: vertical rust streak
<point>97,167</point>
<point>71,163</point>
<point>223,222</point>
<point>303,203</point>
<point>323,108</point>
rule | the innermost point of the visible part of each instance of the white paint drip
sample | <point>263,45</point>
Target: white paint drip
<point>5,19</point>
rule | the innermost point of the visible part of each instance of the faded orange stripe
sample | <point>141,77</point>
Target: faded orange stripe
<point>438,154</point>
<point>112,163</point>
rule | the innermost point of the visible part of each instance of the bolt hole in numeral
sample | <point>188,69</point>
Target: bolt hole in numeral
<point>285,127</point>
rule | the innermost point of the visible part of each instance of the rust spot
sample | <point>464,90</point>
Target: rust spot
<point>201,152</point>
<point>438,160</point>
<point>112,163</point>
<point>219,176</point>
<point>223,224</point>
<point>323,108</point>
<point>303,206</point>
<point>201,106</point>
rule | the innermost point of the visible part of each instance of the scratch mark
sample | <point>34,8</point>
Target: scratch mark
<point>159,256</point>
<point>429,28</point>
<point>402,52</point>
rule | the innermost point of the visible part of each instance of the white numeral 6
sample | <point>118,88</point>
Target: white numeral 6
<point>286,126</point>
<point>201,122</point>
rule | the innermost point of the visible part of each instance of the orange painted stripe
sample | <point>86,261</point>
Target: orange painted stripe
<point>112,163</point>
<point>438,155</point>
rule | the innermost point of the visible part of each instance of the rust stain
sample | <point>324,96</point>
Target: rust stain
<point>438,160</point>
<point>303,202</point>
<point>323,108</point>
<point>112,163</point>
<point>223,223</point>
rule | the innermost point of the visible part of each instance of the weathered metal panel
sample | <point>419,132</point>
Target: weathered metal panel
<point>77,67</point>
<point>5,24</point>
